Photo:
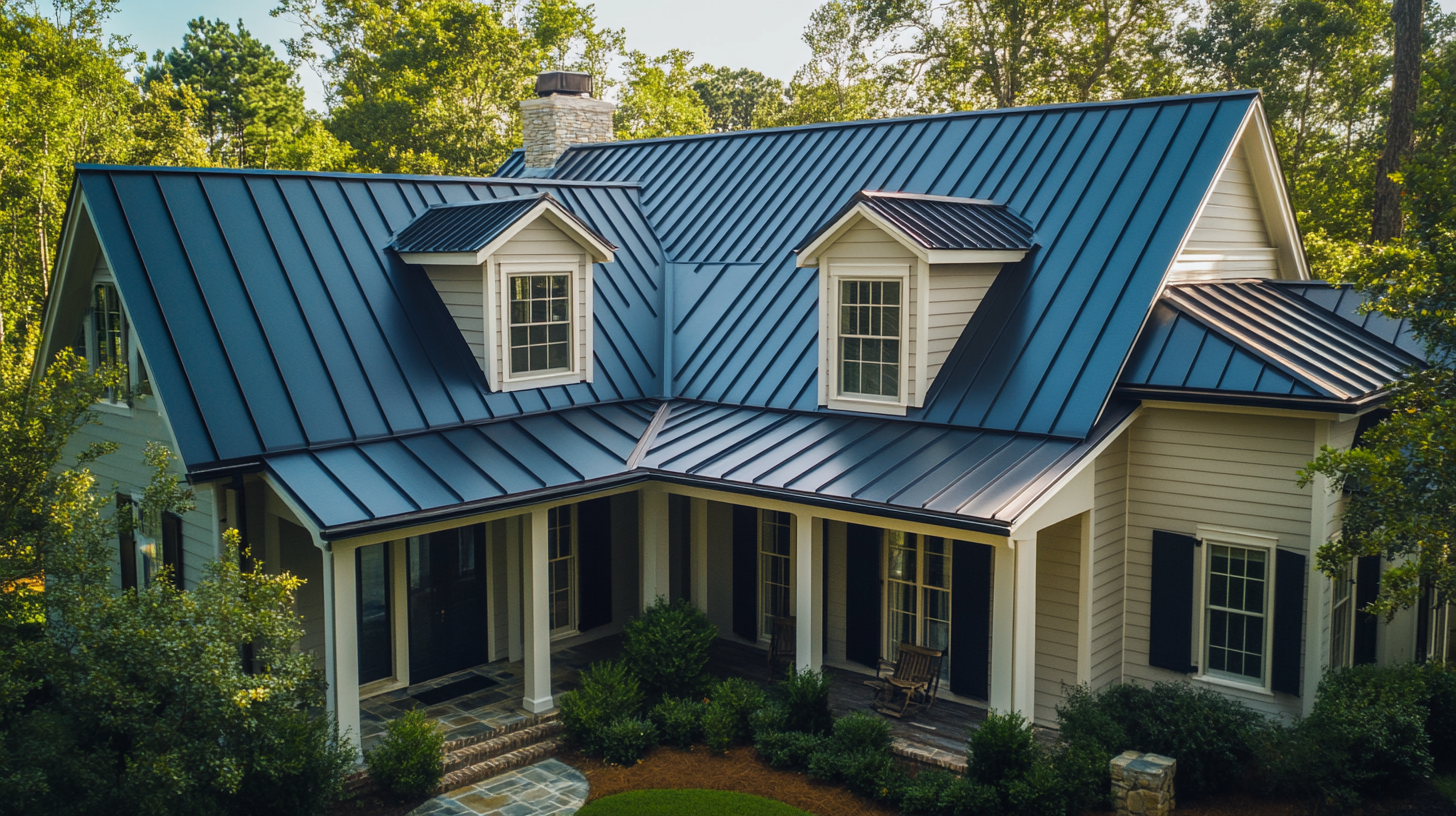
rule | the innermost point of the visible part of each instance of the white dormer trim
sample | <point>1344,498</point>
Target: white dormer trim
<point>809,255</point>
<point>546,208</point>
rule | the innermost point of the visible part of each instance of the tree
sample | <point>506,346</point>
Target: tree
<point>738,100</point>
<point>1399,129</point>
<point>841,82</point>
<point>658,98</point>
<point>1401,479</point>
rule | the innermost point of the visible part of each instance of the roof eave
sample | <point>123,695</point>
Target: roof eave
<point>1291,403</point>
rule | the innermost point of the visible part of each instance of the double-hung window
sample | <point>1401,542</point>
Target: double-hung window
<point>918,602</point>
<point>561,568</point>
<point>870,340</point>
<point>540,324</point>
<point>774,554</point>
<point>1237,611</point>
<point>1342,618</point>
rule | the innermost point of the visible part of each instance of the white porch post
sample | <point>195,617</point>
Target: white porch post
<point>1024,660</point>
<point>808,591</point>
<point>515,649</point>
<point>698,523</point>
<point>1003,631</point>
<point>399,588</point>
<point>346,649</point>
<point>654,544</point>
<point>538,619</point>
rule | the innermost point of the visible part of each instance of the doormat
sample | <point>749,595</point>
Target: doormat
<point>450,691</point>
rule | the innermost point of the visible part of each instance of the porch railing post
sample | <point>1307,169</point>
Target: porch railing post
<point>809,591</point>
<point>1024,661</point>
<point>537,617</point>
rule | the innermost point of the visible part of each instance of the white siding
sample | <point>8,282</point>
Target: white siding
<point>1230,239</point>
<point>1058,569</point>
<point>537,242</point>
<point>463,290</point>
<point>1109,529</point>
<point>1187,468</point>
<point>955,292</point>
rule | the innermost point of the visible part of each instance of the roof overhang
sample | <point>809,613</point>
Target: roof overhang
<point>860,209</point>
<point>600,250</point>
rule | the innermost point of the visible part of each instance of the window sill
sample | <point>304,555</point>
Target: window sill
<point>1233,684</point>
<point>542,380</point>
<point>564,634</point>
<point>867,406</point>
<point>115,408</point>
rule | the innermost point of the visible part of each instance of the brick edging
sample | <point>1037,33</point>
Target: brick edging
<point>463,755</point>
<point>928,757</point>
<point>518,758</point>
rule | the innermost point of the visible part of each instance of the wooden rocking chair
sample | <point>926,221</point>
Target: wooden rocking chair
<point>912,684</point>
<point>781,644</point>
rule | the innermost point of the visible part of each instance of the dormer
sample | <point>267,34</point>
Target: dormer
<point>900,276</point>
<point>1245,226</point>
<point>516,275</point>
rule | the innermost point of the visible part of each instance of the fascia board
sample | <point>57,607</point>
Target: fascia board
<point>974,256</point>
<point>1269,183</point>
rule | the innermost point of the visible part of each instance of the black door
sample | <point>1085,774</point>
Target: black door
<point>447,597</point>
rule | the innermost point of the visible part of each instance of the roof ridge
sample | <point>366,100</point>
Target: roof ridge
<point>511,181</point>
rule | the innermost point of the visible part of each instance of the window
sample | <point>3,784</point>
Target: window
<point>561,568</point>
<point>869,338</point>
<point>376,631</point>
<point>918,602</point>
<point>1342,618</point>
<point>1237,607</point>
<point>774,549</point>
<point>127,535</point>
<point>540,324</point>
<point>108,336</point>
<point>161,547</point>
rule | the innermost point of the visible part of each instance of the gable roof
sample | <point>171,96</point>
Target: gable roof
<point>1109,188</point>
<point>473,229</point>
<point>930,223</point>
<point>1261,342</point>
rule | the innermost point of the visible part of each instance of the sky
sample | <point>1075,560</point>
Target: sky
<point>720,32</point>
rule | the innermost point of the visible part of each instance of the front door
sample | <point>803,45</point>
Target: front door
<point>447,602</point>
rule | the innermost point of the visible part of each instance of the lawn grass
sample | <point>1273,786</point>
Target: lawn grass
<point>689,802</point>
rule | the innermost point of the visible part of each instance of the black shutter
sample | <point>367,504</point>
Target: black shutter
<point>862,590</point>
<point>1288,621</point>
<point>128,551</point>
<point>1170,623</point>
<point>172,547</point>
<point>1423,623</point>
<point>1367,586</point>
<point>594,563</point>
<point>970,619</point>
<point>745,572</point>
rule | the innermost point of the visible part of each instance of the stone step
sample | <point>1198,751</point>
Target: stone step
<point>474,753</point>
<point>485,769</point>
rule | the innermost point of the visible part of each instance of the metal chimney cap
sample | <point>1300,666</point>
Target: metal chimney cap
<point>570,83</point>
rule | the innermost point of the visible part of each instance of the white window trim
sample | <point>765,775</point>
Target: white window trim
<point>834,272</point>
<point>1209,536</point>
<point>767,636</point>
<point>134,354</point>
<point>498,305</point>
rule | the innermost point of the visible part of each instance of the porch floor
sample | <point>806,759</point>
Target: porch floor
<point>938,734</point>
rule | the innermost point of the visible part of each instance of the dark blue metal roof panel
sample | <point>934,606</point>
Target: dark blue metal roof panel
<point>275,319</point>
<point>1262,339</point>
<point>940,222</point>
<point>1344,301</point>
<point>1109,190</point>
<point>462,227</point>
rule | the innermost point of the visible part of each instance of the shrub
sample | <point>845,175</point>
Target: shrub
<point>1209,734</point>
<point>608,693</point>
<point>626,739</point>
<point>667,648</point>
<point>736,699</point>
<point>805,697</point>
<point>1002,749</point>
<point>865,772</point>
<point>860,730</point>
<point>967,798</point>
<point>679,721</point>
<point>790,749</point>
<point>773,718</point>
<point>720,727</point>
<point>923,794</point>
<point>1441,710</point>
<point>409,760</point>
<point>296,765</point>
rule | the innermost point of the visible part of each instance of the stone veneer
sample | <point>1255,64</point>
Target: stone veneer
<point>550,124</point>
<point>1142,784</point>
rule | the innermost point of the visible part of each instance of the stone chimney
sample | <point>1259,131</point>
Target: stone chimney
<point>562,114</point>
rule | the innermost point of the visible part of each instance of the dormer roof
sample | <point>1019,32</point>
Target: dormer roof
<point>467,232</point>
<point>939,229</point>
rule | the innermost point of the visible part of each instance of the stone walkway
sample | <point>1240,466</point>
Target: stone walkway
<point>544,789</point>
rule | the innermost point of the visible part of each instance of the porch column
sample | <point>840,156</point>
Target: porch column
<point>698,523</point>
<point>399,583</point>
<point>1024,660</point>
<point>808,591</point>
<point>339,570</point>
<point>515,649</point>
<point>537,618</point>
<point>654,544</point>
<point>1003,631</point>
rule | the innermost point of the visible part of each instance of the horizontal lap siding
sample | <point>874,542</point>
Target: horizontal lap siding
<point>1187,468</point>
<point>1109,529</point>
<point>1058,568</point>
<point>867,244</point>
<point>1342,437</point>
<point>463,290</point>
<point>955,292</point>
<point>1232,219</point>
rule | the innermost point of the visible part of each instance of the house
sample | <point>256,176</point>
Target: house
<point>1029,385</point>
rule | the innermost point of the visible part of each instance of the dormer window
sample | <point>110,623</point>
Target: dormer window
<point>870,341</point>
<point>540,324</point>
<point>108,346</point>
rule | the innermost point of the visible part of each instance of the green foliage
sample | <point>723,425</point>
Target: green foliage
<point>679,721</point>
<point>720,727</point>
<point>1208,733</point>
<point>865,772</point>
<point>730,705</point>
<point>926,793</point>
<point>409,760</point>
<point>738,100</point>
<point>1440,704</point>
<point>789,749</point>
<point>667,648</point>
<point>608,692</point>
<point>658,98</point>
<point>804,697</point>
<point>626,739</point>
<point>861,731</point>
<point>688,802</point>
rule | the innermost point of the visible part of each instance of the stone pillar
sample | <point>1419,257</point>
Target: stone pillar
<point>550,124</point>
<point>1142,784</point>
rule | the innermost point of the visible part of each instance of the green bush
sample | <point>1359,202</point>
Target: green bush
<point>608,692</point>
<point>720,727</point>
<point>409,760</point>
<point>967,798</point>
<point>1006,763</point>
<point>667,649</point>
<point>865,772</point>
<point>773,718</point>
<point>862,731</point>
<point>735,699</point>
<point>805,697</point>
<point>626,739</point>
<point>1441,710</point>
<point>789,749</point>
<point>1001,750</point>
<point>923,794</point>
<point>297,765</point>
<point>1209,734</point>
<point>679,721</point>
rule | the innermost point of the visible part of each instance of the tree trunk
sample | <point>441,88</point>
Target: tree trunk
<point>1400,129</point>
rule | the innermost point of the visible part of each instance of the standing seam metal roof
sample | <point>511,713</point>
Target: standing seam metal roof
<point>940,222</point>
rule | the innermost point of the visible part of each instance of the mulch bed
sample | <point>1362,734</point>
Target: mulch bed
<point>739,770</point>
